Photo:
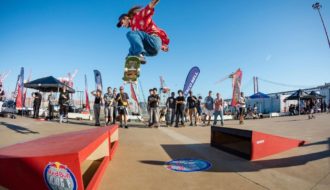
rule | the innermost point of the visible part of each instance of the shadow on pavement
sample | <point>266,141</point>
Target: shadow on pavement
<point>18,129</point>
<point>225,162</point>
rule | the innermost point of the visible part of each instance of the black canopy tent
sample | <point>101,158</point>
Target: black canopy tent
<point>48,84</point>
<point>299,94</point>
<point>313,95</point>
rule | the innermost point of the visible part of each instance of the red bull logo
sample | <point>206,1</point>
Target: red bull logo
<point>188,165</point>
<point>59,177</point>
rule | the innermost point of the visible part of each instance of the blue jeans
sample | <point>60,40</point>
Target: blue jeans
<point>216,114</point>
<point>143,43</point>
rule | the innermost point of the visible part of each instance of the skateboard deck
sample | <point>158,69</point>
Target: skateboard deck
<point>132,69</point>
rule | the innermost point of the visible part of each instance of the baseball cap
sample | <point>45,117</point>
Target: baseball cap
<point>120,18</point>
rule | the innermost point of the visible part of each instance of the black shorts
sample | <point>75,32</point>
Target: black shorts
<point>122,110</point>
<point>241,111</point>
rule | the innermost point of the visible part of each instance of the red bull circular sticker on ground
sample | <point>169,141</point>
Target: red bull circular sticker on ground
<point>59,177</point>
<point>188,165</point>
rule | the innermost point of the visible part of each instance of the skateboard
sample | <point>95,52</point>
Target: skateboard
<point>132,69</point>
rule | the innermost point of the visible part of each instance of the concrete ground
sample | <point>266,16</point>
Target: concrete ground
<point>142,152</point>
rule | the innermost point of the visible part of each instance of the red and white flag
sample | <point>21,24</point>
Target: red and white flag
<point>133,94</point>
<point>237,78</point>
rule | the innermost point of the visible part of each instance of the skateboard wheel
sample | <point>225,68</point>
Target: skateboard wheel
<point>126,69</point>
<point>138,69</point>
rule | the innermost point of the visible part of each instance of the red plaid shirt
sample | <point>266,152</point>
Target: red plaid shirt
<point>143,21</point>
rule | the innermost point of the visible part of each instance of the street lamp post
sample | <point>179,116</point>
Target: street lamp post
<point>317,6</point>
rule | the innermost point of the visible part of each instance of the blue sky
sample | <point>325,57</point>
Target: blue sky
<point>277,40</point>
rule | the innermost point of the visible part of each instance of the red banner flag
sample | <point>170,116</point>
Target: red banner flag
<point>133,95</point>
<point>19,103</point>
<point>237,78</point>
<point>20,90</point>
<point>88,108</point>
<point>24,96</point>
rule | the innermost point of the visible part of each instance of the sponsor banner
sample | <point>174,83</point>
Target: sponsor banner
<point>237,78</point>
<point>98,80</point>
<point>190,80</point>
<point>59,177</point>
<point>20,89</point>
<point>88,108</point>
<point>133,95</point>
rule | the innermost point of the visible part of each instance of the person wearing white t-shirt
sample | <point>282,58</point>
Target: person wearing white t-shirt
<point>242,106</point>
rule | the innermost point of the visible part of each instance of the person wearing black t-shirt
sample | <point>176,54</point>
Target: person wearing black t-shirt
<point>170,106</point>
<point>151,92</point>
<point>115,106</point>
<point>153,103</point>
<point>36,104</point>
<point>122,99</point>
<point>97,105</point>
<point>199,108</point>
<point>180,103</point>
<point>192,103</point>
<point>2,93</point>
<point>63,101</point>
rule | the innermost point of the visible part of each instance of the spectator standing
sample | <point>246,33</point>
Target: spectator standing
<point>108,106</point>
<point>63,101</point>
<point>242,107</point>
<point>170,105</point>
<point>153,102</point>
<point>115,106</point>
<point>51,104</point>
<point>2,93</point>
<point>180,105</point>
<point>122,99</point>
<point>218,109</point>
<point>36,104</point>
<point>192,102</point>
<point>199,108</point>
<point>98,101</point>
<point>209,108</point>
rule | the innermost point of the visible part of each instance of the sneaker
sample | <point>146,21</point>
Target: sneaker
<point>142,59</point>
<point>126,127</point>
<point>191,125</point>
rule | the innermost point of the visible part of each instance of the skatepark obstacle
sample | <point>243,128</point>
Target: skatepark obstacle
<point>75,160</point>
<point>250,144</point>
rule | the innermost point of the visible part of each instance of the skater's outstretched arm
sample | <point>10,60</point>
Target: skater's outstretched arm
<point>153,3</point>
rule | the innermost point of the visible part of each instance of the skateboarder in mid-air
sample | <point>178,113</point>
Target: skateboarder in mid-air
<point>145,39</point>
